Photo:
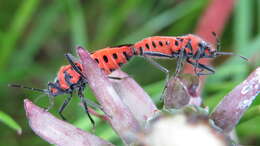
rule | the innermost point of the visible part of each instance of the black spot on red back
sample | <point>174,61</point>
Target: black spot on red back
<point>153,43</point>
<point>96,60</point>
<point>147,46</point>
<point>126,56</point>
<point>160,43</point>
<point>114,55</point>
<point>176,43</point>
<point>105,58</point>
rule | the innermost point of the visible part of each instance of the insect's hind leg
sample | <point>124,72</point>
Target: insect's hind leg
<point>208,68</point>
<point>180,61</point>
<point>163,69</point>
<point>117,78</point>
<point>83,101</point>
<point>201,66</point>
<point>158,66</point>
<point>65,103</point>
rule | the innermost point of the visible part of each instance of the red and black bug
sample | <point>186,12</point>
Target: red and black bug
<point>189,48</point>
<point>70,78</point>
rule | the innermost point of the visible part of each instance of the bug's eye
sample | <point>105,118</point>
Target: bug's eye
<point>200,45</point>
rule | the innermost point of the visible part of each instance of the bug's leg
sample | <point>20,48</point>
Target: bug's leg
<point>208,68</point>
<point>196,58</point>
<point>117,78</point>
<point>156,54</point>
<point>157,65</point>
<point>67,100</point>
<point>180,61</point>
<point>163,69</point>
<point>203,67</point>
<point>195,65</point>
<point>92,104</point>
<point>80,94</point>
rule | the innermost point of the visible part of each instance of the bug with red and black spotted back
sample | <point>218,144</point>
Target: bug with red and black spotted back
<point>190,48</point>
<point>70,78</point>
<point>112,58</point>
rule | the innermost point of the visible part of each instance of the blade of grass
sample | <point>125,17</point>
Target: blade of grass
<point>113,21</point>
<point>258,16</point>
<point>163,20</point>
<point>77,23</point>
<point>216,87</point>
<point>242,23</point>
<point>250,127</point>
<point>43,28</point>
<point>6,119</point>
<point>20,20</point>
<point>251,113</point>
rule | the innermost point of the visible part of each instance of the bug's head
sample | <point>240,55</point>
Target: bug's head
<point>206,48</point>
<point>201,47</point>
<point>53,89</point>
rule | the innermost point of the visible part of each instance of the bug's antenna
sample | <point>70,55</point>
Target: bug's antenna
<point>230,53</point>
<point>217,39</point>
<point>225,53</point>
<point>69,50</point>
<point>30,88</point>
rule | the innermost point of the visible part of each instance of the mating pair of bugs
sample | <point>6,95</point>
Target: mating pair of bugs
<point>189,48</point>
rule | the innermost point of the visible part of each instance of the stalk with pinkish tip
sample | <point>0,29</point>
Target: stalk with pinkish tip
<point>122,119</point>
<point>56,131</point>
<point>138,101</point>
<point>228,113</point>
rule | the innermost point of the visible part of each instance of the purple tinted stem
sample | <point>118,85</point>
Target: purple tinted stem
<point>122,120</point>
<point>56,131</point>
<point>228,113</point>
<point>138,101</point>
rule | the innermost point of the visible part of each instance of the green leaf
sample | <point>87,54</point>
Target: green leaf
<point>77,23</point>
<point>113,21</point>
<point>163,20</point>
<point>251,113</point>
<point>19,23</point>
<point>6,119</point>
<point>249,128</point>
<point>23,60</point>
<point>243,23</point>
<point>258,15</point>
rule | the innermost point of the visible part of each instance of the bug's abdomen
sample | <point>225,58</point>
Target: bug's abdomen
<point>110,59</point>
<point>164,45</point>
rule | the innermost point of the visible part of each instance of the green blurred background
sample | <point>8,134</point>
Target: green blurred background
<point>34,35</point>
